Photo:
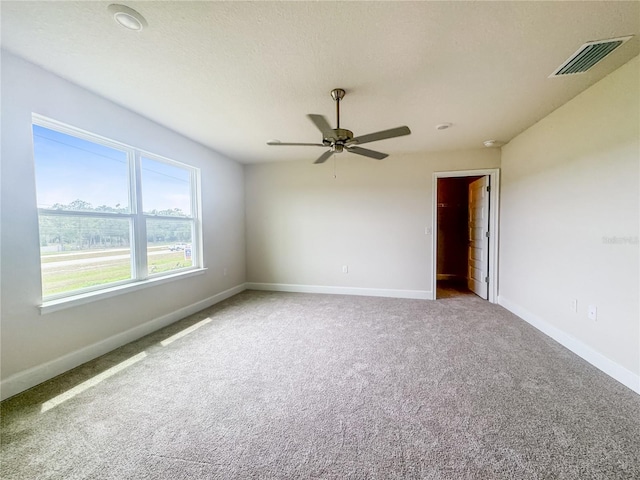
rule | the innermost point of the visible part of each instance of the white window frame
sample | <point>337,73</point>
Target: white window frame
<point>140,277</point>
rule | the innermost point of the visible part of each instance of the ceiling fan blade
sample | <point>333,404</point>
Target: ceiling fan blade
<point>367,153</point>
<point>374,137</point>
<point>324,157</point>
<point>320,122</point>
<point>297,144</point>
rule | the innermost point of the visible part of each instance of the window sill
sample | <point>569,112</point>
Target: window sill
<point>49,306</point>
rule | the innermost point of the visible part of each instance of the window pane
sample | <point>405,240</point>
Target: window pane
<point>83,252</point>
<point>168,245</point>
<point>91,212</point>
<point>166,189</point>
<point>75,174</point>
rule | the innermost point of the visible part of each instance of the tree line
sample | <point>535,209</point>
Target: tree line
<point>60,232</point>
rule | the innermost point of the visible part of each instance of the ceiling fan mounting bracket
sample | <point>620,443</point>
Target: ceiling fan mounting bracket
<point>337,94</point>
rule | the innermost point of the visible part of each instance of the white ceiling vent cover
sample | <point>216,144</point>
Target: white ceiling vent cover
<point>588,55</point>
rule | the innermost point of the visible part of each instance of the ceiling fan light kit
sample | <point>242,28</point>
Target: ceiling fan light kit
<point>340,139</point>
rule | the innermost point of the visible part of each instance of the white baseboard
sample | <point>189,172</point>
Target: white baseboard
<point>29,378</point>
<point>595,358</point>
<point>367,292</point>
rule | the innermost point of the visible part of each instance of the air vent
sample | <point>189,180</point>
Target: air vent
<point>588,55</point>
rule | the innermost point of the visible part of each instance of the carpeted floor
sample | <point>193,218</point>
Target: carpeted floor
<point>286,386</point>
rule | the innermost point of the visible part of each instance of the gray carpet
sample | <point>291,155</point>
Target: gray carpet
<point>285,386</point>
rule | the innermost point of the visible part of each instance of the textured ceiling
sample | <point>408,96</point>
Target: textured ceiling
<point>232,75</point>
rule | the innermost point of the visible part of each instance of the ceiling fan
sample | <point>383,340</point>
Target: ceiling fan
<point>339,139</point>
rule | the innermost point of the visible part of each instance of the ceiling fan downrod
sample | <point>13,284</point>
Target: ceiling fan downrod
<point>337,94</point>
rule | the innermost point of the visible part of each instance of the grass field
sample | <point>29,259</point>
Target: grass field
<point>66,272</point>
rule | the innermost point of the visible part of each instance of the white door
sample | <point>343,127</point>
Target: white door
<point>478,268</point>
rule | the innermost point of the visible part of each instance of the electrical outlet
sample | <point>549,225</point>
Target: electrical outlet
<point>345,268</point>
<point>427,230</point>
<point>574,305</point>
<point>592,312</point>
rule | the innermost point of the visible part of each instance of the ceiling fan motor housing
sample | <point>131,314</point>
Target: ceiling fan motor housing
<point>339,137</point>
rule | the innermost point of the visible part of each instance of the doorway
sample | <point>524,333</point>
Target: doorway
<point>465,240</point>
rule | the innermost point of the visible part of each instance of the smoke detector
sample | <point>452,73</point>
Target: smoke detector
<point>127,17</point>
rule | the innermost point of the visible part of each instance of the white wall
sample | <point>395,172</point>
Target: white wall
<point>34,346</point>
<point>568,183</point>
<point>303,224</point>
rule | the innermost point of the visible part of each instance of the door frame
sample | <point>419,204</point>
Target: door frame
<point>494,216</point>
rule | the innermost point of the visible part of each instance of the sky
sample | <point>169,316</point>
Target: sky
<point>69,168</point>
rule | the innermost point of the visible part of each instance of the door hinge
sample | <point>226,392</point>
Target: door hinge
<point>488,188</point>
<point>486,279</point>
<point>486,234</point>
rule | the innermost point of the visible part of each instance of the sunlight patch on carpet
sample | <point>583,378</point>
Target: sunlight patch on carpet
<point>184,332</point>
<point>92,382</point>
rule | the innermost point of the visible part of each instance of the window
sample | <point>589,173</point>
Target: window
<point>109,214</point>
